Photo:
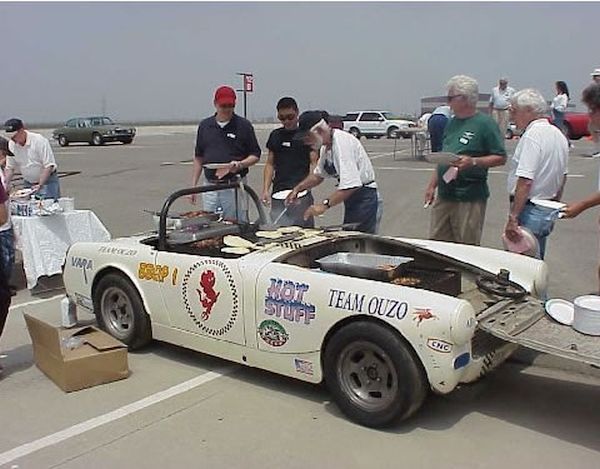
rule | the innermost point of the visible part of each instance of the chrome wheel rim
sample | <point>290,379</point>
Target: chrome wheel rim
<point>97,140</point>
<point>117,312</point>
<point>367,376</point>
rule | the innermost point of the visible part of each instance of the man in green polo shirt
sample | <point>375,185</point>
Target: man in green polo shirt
<point>458,212</point>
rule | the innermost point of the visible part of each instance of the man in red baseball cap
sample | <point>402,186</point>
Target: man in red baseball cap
<point>226,147</point>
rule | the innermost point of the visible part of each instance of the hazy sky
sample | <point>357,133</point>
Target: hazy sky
<point>164,60</point>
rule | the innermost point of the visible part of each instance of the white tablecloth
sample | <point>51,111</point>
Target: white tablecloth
<point>43,241</point>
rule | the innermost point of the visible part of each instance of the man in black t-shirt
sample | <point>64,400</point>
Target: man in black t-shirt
<point>288,163</point>
<point>226,147</point>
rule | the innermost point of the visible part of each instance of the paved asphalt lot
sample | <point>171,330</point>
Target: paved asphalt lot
<point>222,415</point>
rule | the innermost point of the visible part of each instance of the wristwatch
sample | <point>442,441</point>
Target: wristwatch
<point>326,203</point>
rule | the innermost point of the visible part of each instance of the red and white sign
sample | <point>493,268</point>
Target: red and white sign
<point>248,83</point>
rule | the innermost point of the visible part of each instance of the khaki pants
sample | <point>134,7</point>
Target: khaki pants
<point>457,222</point>
<point>501,118</point>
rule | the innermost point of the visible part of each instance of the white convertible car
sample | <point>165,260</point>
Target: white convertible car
<point>382,320</point>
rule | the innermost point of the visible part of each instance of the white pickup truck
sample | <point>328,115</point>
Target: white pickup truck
<point>376,124</point>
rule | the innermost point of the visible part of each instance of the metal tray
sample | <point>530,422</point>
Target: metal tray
<point>176,221</point>
<point>363,265</point>
<point>192,234</point>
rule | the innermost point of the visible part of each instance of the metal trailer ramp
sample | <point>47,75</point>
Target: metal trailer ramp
<point>525,323</point>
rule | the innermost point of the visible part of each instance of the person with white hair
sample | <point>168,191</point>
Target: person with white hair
<point>538,169</point>
<point>458,212</point>
<point>500,103</point>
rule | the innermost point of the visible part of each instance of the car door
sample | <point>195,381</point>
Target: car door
<point>69,130</point>
<point>203,295</point>
<point>370,123</point>
<point>82,130</point>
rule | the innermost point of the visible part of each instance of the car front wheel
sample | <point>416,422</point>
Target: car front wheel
<point>120,311</point>
<point>63,141</point>
<point>373,375</point>
<point>392,132</point>
<point>97,139</point>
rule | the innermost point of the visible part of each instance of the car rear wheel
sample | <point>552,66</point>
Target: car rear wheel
<point>392,132</point>
<point>120,311</point>
<point>97,139</point>
<point>373,375</point>
<point>354,131</point>
<point>63,141</point>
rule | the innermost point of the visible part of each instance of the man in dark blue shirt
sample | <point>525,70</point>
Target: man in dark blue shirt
<point>226,147</point>
<point>288,163</point>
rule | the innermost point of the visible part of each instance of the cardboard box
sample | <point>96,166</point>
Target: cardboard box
<point>100,359</point>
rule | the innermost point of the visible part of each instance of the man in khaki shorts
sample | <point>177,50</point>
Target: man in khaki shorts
<point>459,211</point>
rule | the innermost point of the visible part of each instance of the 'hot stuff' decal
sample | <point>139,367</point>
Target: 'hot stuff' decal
<point>285,300</point>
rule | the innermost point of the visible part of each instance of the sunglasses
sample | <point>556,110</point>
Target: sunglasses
<point>287,117</point>
<point>451,97</point>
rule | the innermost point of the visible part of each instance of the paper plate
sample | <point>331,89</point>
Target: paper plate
<point>235,250</point>
<point>442,157</point>
<point>527,245</point>
<point>216,165</point>
<point>551,204</point>
<point>282,195</point>
<point>561,310</point>
<point>22,193</point>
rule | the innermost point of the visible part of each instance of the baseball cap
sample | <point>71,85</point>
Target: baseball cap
<point>4,146</point>
<point>14,124</point>
<point>225,95</point>
<point>595,73</point>
<point>307,120</point>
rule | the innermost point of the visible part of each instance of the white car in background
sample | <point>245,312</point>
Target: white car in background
<point>376,124</point>
<point>381,320</point>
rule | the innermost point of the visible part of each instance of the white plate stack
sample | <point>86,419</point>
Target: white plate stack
<point>587,314</point>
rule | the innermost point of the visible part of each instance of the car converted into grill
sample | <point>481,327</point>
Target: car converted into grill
<point>382,320</point>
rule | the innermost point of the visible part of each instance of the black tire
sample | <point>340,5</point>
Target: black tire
<point>130,324</point>
<point>392,132</point>
<point>126,141</point>
<point>97,139</point>
<point>391,362</point>
<point>63,141</point>
<point>354,131</point>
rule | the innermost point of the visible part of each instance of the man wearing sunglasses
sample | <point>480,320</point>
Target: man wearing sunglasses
<point>226,147</point>
<point>462,191</point>
<point>342,157</point>
<point>288,163</point>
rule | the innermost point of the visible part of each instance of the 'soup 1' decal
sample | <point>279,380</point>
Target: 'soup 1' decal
<point>374,305</point>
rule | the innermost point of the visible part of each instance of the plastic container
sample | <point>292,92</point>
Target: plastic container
<point>586,317</point>
<point>68,313</point>
<point>67,204</point>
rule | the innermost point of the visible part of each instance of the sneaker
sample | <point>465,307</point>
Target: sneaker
<point>596,155</point>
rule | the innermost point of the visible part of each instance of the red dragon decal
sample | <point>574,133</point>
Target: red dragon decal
<point>421,314</point>
<point>208,295</point>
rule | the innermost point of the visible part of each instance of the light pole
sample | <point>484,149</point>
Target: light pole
<point>247,87</point>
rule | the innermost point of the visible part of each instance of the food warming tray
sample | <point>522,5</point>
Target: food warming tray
<point>363,265</point>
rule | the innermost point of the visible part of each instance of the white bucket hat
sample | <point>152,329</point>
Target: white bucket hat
<point>595,73</point>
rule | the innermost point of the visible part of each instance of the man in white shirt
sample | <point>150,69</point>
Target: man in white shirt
<point>500,104</point>
<point>342,157</point>
<point>538,168</point>
<point>34,158</point>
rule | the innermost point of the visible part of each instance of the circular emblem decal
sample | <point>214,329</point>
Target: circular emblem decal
<point>210,296</point>
<point>273,333</point>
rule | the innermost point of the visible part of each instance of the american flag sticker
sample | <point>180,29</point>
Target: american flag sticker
<point>303,366</point>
